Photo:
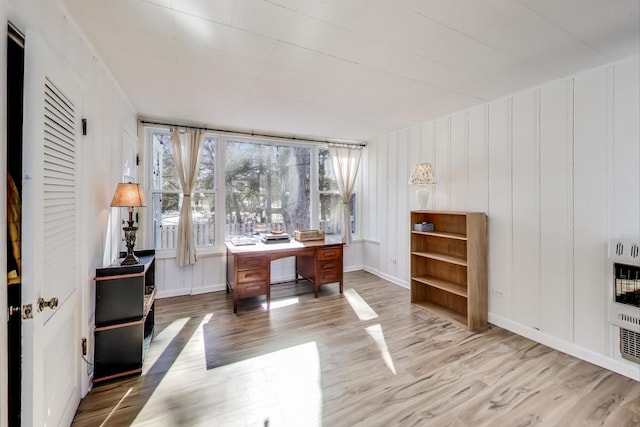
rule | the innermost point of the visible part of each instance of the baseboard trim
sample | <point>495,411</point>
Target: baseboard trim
<point>391,279</point>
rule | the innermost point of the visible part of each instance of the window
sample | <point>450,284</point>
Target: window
<point>330,199</point>
<point>267,186</point>
<point>167,195</point>
<point>252,186</point>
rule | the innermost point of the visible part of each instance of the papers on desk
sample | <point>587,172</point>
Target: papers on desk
<point>243,241</point>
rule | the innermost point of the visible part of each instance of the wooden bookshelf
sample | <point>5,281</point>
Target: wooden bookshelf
<point>449,266</point>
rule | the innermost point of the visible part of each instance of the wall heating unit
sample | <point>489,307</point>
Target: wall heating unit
<point>624,300</point>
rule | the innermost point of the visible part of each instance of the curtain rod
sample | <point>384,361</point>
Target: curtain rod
<point>356,144</point>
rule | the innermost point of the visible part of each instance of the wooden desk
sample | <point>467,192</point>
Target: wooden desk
<point>249,267</point>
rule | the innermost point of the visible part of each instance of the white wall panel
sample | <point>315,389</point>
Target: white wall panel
<point>556,209</point>
<point>499,213</point>
<point>442,191</point>
<point>383,202</point>
<point>370,188</point>
<point>590,209</point>
<point>391,241</point>
<point>402,213</point>
<point>459,173</point>
<point>415,156</point>
<point>478,166</point>
<point>524,299</point>
<point>625,216</point>
<point>428,155</point>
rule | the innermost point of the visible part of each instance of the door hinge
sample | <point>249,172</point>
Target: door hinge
<point>27,311</point>
<point>137,159</point>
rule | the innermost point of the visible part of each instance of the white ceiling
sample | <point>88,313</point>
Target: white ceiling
<point>344,69</point>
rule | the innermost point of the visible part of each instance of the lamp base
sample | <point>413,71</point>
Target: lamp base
<point>130,242</point>
<point>423,197</point>
<point>130,259</point>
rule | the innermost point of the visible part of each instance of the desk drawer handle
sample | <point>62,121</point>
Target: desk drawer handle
<point>330,254</point>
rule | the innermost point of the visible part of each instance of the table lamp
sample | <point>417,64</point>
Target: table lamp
<point>422,176</point>
<point>129,195</point>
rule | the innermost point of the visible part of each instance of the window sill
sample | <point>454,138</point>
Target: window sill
<point>201,252</point>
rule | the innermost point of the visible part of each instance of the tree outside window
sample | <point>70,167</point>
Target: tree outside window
<point>267,187</point>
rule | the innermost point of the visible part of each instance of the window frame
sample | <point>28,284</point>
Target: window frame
<point>354,197</point>
<point>148,235</point>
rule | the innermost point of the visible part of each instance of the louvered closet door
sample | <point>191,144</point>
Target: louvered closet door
<point>51,236</point>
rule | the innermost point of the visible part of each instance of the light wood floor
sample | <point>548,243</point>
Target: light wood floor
<point>364,358</point>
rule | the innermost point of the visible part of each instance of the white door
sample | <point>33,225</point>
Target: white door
<point>51,235</point>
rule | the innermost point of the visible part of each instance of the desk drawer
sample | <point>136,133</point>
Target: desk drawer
<point>255,275</point>
<point>250,262</point>
<point>252,289</point>
<point>329,271</point>
<point>325,254</point>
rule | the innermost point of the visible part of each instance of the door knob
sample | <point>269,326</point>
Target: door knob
<point>52,303</point>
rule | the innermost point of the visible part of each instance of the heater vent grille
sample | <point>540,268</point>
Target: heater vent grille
<point>629,319</point>
<point>630,345</point>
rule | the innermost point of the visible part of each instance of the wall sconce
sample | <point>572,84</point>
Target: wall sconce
<point>422,176</point>
<point>129,195</point>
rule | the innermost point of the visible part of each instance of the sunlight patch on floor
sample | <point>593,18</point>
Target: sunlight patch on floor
<point>280,303</point>
<point>161,341</point>
<point>375,332</point>
<point>282,387</point>
<point>359,305</point>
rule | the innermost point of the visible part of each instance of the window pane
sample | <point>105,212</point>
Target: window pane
<point>163,172</point>
<point>266,184</point>
<point>326,178</point>
<point>166,210</point>
<point>203,206</point>
<point>331,213</point>
<point>205,180</point>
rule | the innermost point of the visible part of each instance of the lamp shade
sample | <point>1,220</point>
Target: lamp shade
<point>128,195</point>
<point>423,174</point>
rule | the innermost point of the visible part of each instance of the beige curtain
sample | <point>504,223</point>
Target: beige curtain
<point>186,146</point>
<point>345,161</point>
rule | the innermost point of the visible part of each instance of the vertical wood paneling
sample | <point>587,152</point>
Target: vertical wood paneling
<point>371,189</point>
<point>526,213</point>
<point>556,224</point>
<point>415,156</point>
<point>402,218</point>
<point>557,169</point>
<point>478,159</point>
<point>160,279</point>
<point>499,212</point>
<point>392,207</point>
<point>590,210</point>
<point>625,217</point>
<point>197,275</point>
<point>173,278</point>
<point>459,161</point>
<point>428,154</point>
<point>415,152</point>
<point>442,191</point>
<point>383,214</point>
